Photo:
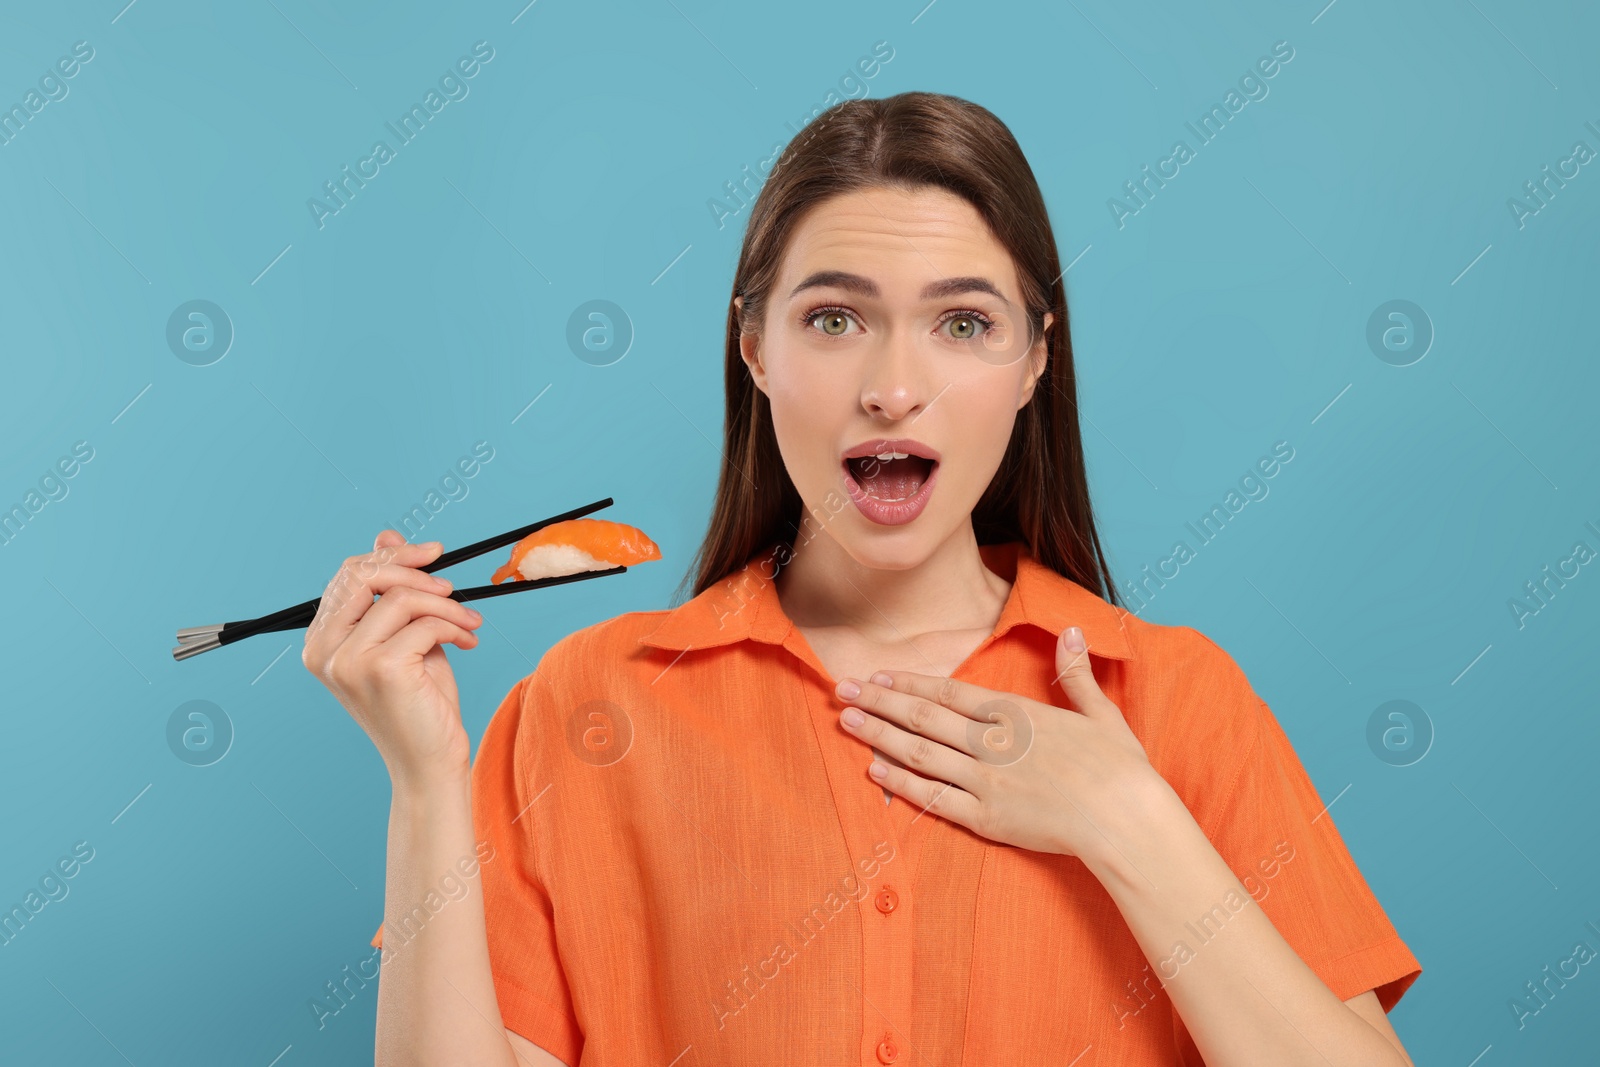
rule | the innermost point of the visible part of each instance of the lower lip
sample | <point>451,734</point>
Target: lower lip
<point>883,512</point>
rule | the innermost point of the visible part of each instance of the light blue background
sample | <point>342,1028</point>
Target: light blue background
<point>1227,315</point>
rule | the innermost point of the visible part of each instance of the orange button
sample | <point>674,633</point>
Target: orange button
<point>888,1051</point>
<point>887,900</point>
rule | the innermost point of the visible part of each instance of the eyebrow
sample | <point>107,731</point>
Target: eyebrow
<point>855,283</point>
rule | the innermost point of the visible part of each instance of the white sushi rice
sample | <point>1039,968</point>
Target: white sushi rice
<point>547,561</point>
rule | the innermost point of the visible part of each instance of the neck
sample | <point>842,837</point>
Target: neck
<point>823,586</point>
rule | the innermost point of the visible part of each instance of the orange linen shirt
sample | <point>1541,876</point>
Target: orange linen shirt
<point>692,867</point>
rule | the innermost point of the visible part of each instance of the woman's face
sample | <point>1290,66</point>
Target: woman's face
<point>896,316</point>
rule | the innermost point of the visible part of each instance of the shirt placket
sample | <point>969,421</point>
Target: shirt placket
<point>888,909</point>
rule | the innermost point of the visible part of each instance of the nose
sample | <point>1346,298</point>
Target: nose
<point>894,383</point>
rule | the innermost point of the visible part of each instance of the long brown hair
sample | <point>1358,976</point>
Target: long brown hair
<point>1040,494</point>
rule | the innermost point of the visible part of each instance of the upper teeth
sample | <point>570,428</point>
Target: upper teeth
<point>886,456</point>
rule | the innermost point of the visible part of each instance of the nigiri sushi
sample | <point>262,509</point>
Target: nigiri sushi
<point>576,545</point>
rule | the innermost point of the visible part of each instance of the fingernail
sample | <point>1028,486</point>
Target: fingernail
<point>852,717</point>
<point>878,770</point>
<point>883,679</point>
<point>1072,639</point>
<point>476,616</point>
<point>849,689</point>
<point>443,583</point>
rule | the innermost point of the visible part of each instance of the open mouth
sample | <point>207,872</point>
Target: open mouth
<point>893,480</point>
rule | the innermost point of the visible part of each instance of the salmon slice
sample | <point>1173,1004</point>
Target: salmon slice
<point>576,545</point>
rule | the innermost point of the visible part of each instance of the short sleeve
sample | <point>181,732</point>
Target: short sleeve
<point>530,983</point>
<point>1277,835</point>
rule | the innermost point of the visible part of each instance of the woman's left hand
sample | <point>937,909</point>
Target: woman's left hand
<point>1011,769</point>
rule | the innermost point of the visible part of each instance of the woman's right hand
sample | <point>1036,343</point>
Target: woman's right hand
<point>384,660</point>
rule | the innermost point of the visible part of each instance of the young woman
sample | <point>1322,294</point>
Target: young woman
<point>901,783</point>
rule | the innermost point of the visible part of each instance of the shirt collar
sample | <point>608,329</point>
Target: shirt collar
<point>745,606</point>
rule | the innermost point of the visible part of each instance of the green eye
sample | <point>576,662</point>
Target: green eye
<point>833,323</point>
<point>968,325</point>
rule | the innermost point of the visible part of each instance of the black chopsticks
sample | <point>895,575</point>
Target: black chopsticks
<point>194,640</point>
